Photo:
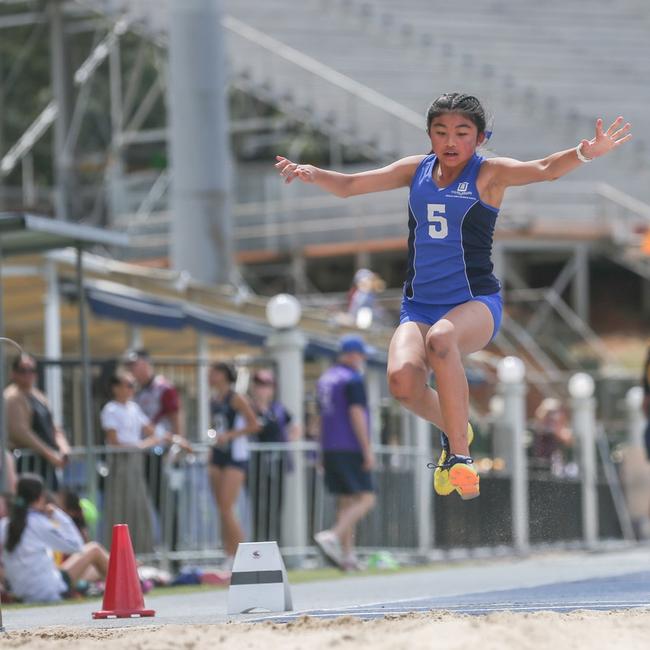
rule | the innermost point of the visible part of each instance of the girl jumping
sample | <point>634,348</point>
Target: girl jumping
<point>451,304</point>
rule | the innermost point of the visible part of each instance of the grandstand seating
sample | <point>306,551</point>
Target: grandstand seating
<point>367,71</point>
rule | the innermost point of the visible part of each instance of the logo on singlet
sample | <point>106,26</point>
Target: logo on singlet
<point>463,191</point>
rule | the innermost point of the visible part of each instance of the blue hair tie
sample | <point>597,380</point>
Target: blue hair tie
<point>19,502</point>
<point>488,135</point>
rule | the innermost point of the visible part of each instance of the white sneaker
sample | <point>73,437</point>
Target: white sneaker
<point>329,544</point>
<point>352,563</point>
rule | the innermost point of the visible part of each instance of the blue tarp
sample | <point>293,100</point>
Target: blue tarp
<point>124,304</point>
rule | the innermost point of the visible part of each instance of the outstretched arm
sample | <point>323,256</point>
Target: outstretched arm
<point>506,172</point>
<point>397,174</point>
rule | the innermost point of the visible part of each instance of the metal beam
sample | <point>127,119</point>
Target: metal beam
<point>61,92</point>
<point>580,288</point>
<point>40,125</point>
<point>135,77</point>
<point>559,285</point>
<point>21,20</point>
<point>146,105</point>
<point>201,232</point>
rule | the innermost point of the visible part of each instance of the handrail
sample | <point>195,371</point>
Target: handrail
<point>372,97</point>
<point>624,200</point>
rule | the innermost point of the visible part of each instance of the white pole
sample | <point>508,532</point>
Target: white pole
<point>286,346</point>
<point>134,333</point>
<point>52,338</point>
<point>636,469</point>
<point>635,417</point>
<point>199,144</point>
<point>202,387</point>
<point>373,383</point>
<point>511,372</point>
<point>423,485</point>
<point>581,389</point>
<point>502,442</point>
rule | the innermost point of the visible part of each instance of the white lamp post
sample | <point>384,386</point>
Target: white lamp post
<point>581,389</point>
<point>511,372</point>
<point>286,345</point>
<point>283,311</point>
<point>635,418</point>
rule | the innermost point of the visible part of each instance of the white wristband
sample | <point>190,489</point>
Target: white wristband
<point>581,156</point>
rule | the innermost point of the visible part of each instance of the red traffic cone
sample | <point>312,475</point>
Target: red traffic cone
<point>123,594</point>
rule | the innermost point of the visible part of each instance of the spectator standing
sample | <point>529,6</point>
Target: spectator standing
<point>125,425</point>
<point>159,399</point>
<point>363,298</point>
<point>156,395</point>
<point>552,435</point>
<point>233,420</point>
<point>348,459</point>
<point>277,426</point>
<point>30,424</point>
<point>36,529</point>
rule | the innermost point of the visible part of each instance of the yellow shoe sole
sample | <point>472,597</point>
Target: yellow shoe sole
<point>465,481</point>
<point>441,483</point>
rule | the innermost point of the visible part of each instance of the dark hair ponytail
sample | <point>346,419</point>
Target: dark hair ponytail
<point>468,105</point>
<point>29,490</point>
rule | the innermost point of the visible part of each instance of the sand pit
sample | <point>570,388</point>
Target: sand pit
<point>574,631</point>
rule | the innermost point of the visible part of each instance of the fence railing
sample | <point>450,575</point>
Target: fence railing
<point>169,505</point>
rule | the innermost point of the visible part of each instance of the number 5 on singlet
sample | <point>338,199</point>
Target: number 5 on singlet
<point>438,228</point>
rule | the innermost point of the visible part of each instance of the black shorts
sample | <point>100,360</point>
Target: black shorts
<point>344,473</point>
<point>223,458</point>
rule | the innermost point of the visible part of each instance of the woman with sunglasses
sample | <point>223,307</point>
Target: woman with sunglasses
<point>126,427</point>
<point>30,424</point>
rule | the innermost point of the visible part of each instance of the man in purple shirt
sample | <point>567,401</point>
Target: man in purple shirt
<point>347,454</point>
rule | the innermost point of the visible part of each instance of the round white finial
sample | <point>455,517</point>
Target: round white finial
<point>511,370</point>
<point>634,398</point>
<point>581,385</point>
<point>283,311</point>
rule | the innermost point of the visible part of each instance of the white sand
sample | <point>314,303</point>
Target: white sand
<point>589,630</point>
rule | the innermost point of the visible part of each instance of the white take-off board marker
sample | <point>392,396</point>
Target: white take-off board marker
<point>259,579</point>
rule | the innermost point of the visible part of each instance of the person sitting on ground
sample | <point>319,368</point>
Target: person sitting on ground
<point>36,529</point>
<point>71,505</point>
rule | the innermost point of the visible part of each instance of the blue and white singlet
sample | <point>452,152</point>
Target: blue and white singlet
<point>450,238</point>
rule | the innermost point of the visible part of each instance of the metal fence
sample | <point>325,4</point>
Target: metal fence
<point>169,506</point>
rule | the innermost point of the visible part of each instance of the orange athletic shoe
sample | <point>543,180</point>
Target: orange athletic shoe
<point>441,483</point>
<point>464,477</point>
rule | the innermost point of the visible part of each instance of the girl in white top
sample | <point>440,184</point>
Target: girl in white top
<point>125,423</point>
<point>127,499</point>
<point>29,538</point>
